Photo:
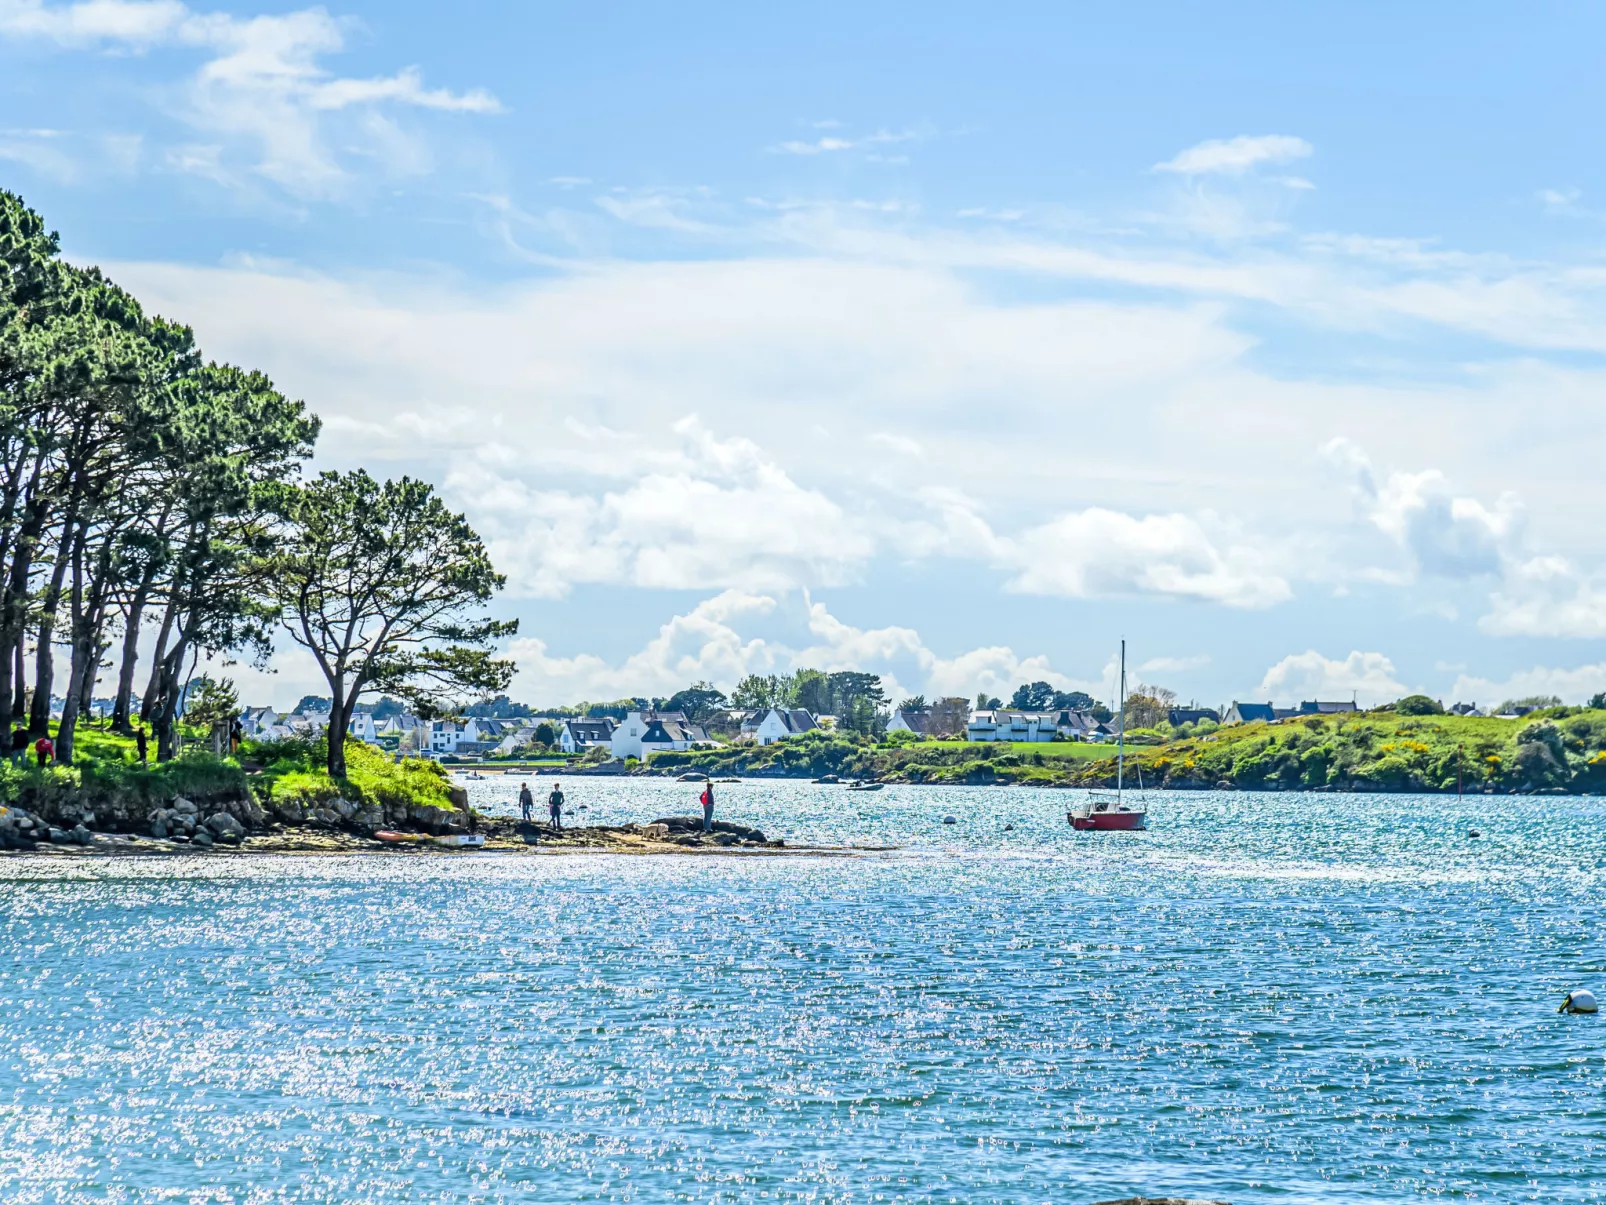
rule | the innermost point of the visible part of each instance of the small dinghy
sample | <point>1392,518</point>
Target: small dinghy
<point>394,838</point>
<point>866,786</point>
<point>460,840</point>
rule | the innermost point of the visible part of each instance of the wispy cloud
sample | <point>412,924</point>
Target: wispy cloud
<point>264,106</point>
<point>1234,156</point>
<point>832,143</point>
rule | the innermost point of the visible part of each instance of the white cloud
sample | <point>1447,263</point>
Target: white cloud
<point>1547,596</point>
<point>1234,156</point>
<point>714,642</point>
<point>1101,552</point>
<point>1569,685</point>
<point>270,108</point>
<point>1368,677</point>
<point>723,514</point>
<point>1443,534</point>
<point>1174,665</point>
<point>829,143</point>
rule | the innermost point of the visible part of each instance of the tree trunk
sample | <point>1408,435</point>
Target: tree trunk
<point>339,717</point>
<point>130,660</point>
<point>148,701</point>
<point>44,670</point>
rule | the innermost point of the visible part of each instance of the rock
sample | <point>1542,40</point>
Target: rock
<point>81,834</point>
<point>225,826</point>
<point>288,811</point>
<point>159,827</point>
<point>56,836</point>
<point>656,832</point>
<point>345,809</point>
<point>458,796</point>
<point>202,838</point>
<point>185,807</point>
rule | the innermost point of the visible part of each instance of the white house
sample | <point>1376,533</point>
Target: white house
<point>1012,726</point>
<point>254,720</point>
<point>443,737</point>
<point>362,727</point>
<point>917,722</point>
<point>779,723</point>
<point>643,733</point>
<point>579,735</point>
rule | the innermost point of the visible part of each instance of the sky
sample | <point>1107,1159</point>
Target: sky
<point>953,342</point>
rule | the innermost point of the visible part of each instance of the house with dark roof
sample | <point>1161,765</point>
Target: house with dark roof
<point>1246,713</point>
<point>780,723</point>
<point>1179,716</point>
<point>642,733</point>
<point>579,735</point>
<point>917,722</point>
<point>1317,707</point>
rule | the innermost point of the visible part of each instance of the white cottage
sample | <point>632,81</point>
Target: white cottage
<point>780,723</point>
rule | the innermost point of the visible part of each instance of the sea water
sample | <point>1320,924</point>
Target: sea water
<point>1265,998</point>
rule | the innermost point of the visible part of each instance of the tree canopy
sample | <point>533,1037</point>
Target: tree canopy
<point>379,582</point>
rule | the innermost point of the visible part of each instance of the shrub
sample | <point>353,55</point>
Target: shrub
<point>1418,705</point>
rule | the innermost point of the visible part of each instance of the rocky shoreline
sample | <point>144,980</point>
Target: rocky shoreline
<point>187,827</point>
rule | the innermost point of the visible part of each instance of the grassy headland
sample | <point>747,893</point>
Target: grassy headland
<point>1560,749</point>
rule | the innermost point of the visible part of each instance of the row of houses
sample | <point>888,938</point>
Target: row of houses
<point>643,733</point>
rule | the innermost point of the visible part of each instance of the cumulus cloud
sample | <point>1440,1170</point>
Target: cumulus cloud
<point>1569,685</point>
<point>1444,534</point>
<point>1369,677</point>
<point>1101,552</point>
<point>714,642</point>
<point>1234,156</point>
<point>262,102</point>
<point>721,513</point>
<point>1547,596</point>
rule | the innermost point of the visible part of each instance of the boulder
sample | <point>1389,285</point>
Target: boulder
<point>81,835</point>
<point>225,826</point>
<point>288,811</point>
<point>458,796</point>
<point>56,836</point>
<point>202,838</point>
<point>159,828</point>
<point>185,807</point>
<point>657,832</point>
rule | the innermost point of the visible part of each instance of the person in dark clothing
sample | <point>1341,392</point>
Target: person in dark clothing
<point>142,743</point>
<point>708,806</point>
<point>19,746</point>
<point>526,801</point>
<point>236,735</point>
<point>554,806</point>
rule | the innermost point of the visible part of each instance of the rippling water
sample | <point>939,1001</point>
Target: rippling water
<point>1265,998</point>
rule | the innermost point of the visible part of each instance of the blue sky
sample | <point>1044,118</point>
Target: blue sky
<point>953,342</point>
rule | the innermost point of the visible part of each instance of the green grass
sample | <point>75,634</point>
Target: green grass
<point>1075,750</point>
<point>293,771</point>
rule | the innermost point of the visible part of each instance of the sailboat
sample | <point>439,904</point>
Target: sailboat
<point>1105,811</point>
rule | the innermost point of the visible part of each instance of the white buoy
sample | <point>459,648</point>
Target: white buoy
<point>1580,1000</point>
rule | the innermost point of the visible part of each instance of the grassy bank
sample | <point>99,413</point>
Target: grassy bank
<point>293,771</point>
<point>1562,749</point>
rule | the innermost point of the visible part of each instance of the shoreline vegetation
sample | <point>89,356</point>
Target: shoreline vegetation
<point>1557,750</point>
<point>278,796</point>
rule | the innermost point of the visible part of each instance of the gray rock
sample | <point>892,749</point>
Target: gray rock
<point>56,836</point>
<point>226,826</point>
<point>185,807</point>
<point>159,829</point>
<point>81,834</point>
<point>202,838</point>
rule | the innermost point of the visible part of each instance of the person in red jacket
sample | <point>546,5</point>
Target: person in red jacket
<point>45,751</point>
<point>707,800</point>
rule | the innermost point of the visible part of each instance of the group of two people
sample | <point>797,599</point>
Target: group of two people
<point>554,804</point>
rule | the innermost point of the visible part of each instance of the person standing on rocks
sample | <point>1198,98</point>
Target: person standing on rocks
<point>526,801</point>
<point>554,806</point>
<point>707,800</point>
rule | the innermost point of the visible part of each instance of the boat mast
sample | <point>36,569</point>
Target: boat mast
<point>1120,733</point>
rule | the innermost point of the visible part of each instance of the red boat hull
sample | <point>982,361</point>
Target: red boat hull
<point>1109,822</point>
